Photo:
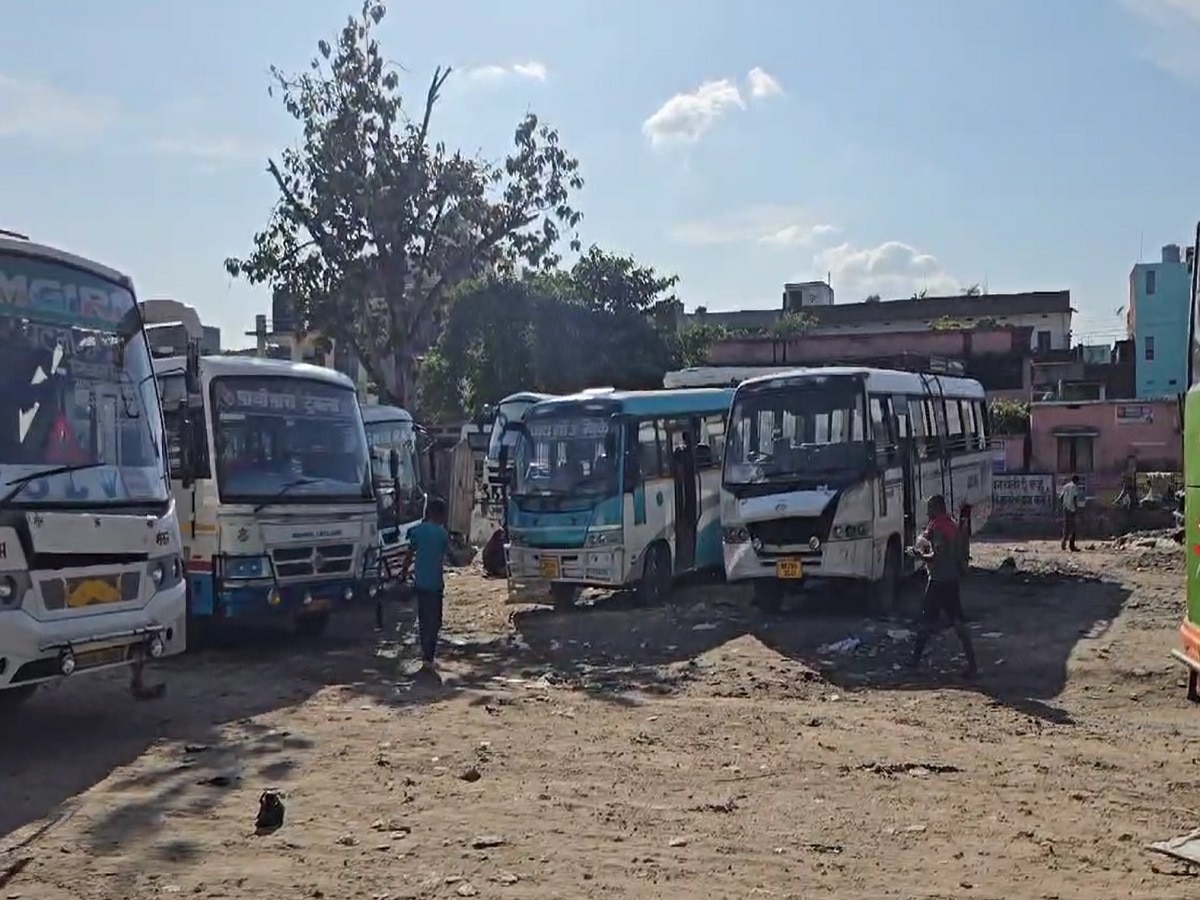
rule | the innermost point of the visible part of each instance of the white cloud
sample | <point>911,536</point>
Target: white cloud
<point>687,117</point>
<point>762,84</point>
<point>893,270</point>
<point>215,151</point>
<point>1170,34</point>
<point>38,110</point>
<point>778,226</point>
<point>495,74</point>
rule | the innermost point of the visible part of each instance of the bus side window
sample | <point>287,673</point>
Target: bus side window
<point>901,413</point>
<point>712,436</point>
<point>970,427</point>
<point>981,416</point>
<point>954,427</point>
<point>882,427</point>
<point>650,449</point>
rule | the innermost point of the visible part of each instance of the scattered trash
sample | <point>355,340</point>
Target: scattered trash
<point>485,841</point>
<point>270,811</point>
<point>705,626</point>
<point>846,645</point>
<point>466,889</point>
<point>505,878</point>
<point>900,634</point>
<point>677,842</point>
<point>908,768</point>
<point>1185,848</point>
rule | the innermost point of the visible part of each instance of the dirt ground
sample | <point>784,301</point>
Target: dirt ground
<point>692,751</point>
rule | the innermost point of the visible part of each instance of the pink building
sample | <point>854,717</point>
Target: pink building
<point>1102,439</point>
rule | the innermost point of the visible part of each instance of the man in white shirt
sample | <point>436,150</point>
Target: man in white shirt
<point>1072,499</point>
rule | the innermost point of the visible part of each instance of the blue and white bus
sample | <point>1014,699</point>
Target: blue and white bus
<point>614,489</point>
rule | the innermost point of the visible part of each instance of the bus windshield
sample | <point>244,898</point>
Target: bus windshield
<point>288,439</point>
<point>77,392</point>
<point>776,433</point>
<point>507,413</point>
<point>574,456</point>
<point>383,438</point>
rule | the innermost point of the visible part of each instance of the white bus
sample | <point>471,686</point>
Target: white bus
<point>90,570</point>
<point>396,472</point>
<point>272,476</point>
<point>509,411</point>
<point>827,470</point>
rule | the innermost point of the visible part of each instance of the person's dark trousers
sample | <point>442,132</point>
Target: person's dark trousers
<point>943,600</point>
<point>1070,523</point>
<point>429,621</point>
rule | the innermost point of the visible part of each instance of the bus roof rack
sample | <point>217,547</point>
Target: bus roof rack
<point>4,232</point>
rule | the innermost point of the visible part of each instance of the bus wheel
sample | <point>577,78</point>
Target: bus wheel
<point>563,594</point>
<point>1193,686</point>
<point>312,624</point>
<point>12,698</point>
<point>885,593</point>
<point>768,595</point>
<point>655,586</point>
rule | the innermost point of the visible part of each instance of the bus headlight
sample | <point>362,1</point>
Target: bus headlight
<point>600,539</point>
<point>851,531</point>
<point>8,591</point>
<point>166,571</point>
<point>735,535</point>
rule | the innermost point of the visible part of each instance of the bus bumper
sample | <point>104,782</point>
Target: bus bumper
<point>288,598</point>
<point>596,566</point>
<point>33,651</point>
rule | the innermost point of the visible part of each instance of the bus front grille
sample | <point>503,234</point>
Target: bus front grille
<point>793,531</point>
<point>307,561</point>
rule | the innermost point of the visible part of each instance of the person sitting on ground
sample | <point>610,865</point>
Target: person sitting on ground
<point>938,547</point>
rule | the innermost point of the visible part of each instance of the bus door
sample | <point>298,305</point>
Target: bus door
<point>681,442</point>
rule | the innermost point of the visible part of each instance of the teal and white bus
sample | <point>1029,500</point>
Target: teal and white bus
<point>614,489</point>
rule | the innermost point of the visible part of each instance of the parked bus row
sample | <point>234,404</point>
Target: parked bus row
<point>144,495</point>
<point>791,477</point>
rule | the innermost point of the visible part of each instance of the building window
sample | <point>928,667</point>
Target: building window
<point>1075,454</point>
<point>1149,348</point>
<point>1151,278</point>
<point>1043,341</point>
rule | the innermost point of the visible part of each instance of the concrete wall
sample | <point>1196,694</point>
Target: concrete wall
<point>820,347</point>
<point>1146,431</point>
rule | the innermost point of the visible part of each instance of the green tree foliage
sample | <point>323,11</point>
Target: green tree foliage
<point>376,224</point>
<point>949,323</point>
<point>1009,416</point>
<point>594,324</point>
<point>694,342</point>
<point>792,324</point>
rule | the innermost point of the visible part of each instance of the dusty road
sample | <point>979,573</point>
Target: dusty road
<point>693,751</point>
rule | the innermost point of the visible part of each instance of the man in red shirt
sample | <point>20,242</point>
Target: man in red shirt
<point>939,548</point>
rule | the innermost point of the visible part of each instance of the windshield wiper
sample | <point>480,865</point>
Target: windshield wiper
<point>296,482</point>
<point>18,484</point>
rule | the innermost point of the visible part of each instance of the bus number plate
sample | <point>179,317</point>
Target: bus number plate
<point>548,566</point>
<point>788,568</point>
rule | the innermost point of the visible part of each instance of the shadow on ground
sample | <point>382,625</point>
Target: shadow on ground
<point>74,734</point>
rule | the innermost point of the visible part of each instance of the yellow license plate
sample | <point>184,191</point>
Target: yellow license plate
<point>548,567</point>
<point>789,568</point>
<point>90,659</point>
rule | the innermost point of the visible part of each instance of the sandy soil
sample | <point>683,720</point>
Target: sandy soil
<point>692,751</point>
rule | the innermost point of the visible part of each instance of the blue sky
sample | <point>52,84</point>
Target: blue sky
<point>931,143</point>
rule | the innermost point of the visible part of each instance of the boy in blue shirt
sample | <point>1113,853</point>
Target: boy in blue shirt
<point>430,544</point>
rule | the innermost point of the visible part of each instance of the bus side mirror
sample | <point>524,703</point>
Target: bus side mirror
<point>394,463</point>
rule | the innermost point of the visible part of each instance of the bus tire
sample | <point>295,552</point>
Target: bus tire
<point>885,593</point>
<point>655,586</point>
<point>13,698</point>
<point>768,596</point>
<point>312,624</point>
<point>563,594</point>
